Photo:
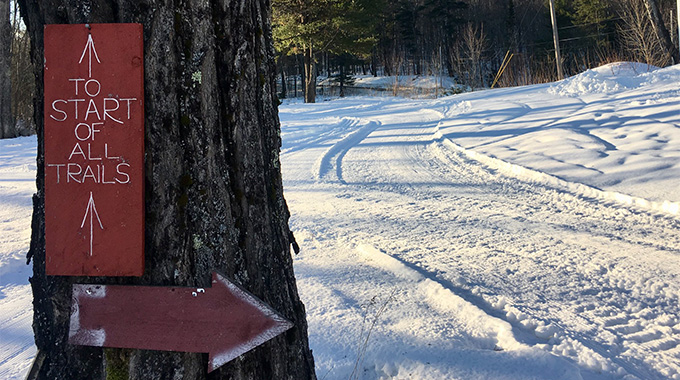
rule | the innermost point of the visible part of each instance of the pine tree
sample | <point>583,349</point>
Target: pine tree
<point>303,27</point>
<point>313,26</point>
<point>594,20</point>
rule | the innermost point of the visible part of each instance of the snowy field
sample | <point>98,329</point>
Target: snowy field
<point>521,233</point>
<point>417,86</point>
<point>17,185</point>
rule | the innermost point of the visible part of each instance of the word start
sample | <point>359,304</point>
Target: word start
<point>91,159</point>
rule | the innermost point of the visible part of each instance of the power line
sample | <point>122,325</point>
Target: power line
<point>591,23</point>
<point>588,36</point>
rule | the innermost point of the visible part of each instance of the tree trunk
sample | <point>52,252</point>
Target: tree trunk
<point>7,125</point>
<point>661,31</point>
<point>214,197</point>
<point>296,76</point>
<point>310,75</point>
<point>342,80</point>
<point>284,89</point>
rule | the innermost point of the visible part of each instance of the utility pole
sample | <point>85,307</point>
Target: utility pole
<point>556,39</point>
<point>441,74</point>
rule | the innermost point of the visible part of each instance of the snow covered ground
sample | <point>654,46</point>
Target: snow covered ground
<point>17,185</point>
<point>413,84</point>
<point>520,233</point>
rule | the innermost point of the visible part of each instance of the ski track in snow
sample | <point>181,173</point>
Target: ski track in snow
<point>509,271</point>
<point>521,233</point>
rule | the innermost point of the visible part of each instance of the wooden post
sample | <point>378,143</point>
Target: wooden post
<point>678,22</point>
<point>556,39</point>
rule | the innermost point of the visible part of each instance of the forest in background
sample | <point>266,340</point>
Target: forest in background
<point>475,42</point>
<point>20,88</point>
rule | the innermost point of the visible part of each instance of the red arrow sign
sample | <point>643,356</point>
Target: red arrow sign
<point>225,320</point>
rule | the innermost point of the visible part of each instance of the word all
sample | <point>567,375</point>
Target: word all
<point>89,115</point>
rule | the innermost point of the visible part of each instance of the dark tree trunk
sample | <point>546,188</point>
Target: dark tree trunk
<point>296,76</point>
<point>661,31</point>
<point>284,89</point>
<point>342,80</point>
<point>214,197</point>
<point>373,67</point>
<point>310,75</point>
<point>7,127</point>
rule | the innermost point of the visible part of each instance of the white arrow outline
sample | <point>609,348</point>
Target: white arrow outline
<point>89,46</point>
<point>92,210</point>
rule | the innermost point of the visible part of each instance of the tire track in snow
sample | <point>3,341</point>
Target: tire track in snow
<point>571,222</point>
<point>327,131</point>
<point>497,331</point>
<point>494,330</point>
<point>526,174</point>
<point>326,162</point>
<point>580,276</point>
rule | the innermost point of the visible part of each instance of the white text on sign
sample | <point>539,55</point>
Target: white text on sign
<point>91,159</point>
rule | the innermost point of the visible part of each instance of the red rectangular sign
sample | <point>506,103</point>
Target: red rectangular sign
<point>94,150</point>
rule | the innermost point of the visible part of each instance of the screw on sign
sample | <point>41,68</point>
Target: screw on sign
<point>94,150</point>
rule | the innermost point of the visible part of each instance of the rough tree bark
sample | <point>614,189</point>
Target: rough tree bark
<point>661,31</point>
<point>7,127</point>
<point>214,197</point>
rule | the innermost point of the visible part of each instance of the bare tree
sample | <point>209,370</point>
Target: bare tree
<point>474,43</point>
<point>21,71</point>
<point>638,34</point>
<point>397,60</point>
<point>7,127</point>
<point>660,30</point>
<point>466,55</point>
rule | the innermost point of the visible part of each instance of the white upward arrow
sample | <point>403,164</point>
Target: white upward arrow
<point>89,48</point>
<point>92,210</point>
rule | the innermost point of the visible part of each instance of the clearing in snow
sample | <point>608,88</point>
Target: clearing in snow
<point>519,233</point>
<point>522,233</point>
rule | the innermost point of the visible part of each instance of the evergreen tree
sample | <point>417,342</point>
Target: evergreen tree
<point>335,26</point>
<point>594,20</point>
<point>303,27</point>
<point>511,25</point>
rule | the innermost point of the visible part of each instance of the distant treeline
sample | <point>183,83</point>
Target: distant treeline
<point>473,41</point>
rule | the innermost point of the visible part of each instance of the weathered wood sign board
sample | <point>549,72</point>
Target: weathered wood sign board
<point>225,321</point>
<point>94,150</point>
